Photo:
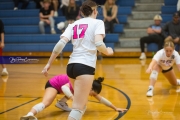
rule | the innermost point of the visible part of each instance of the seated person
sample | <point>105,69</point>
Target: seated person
<point>171,30</point>
<point>64,5</point>
<point>110,15</point>
<point>154,36</point>
<point>46,17</point>
<point>24,5</point>
<point>39,3</point>
<point>71,12</point>
<point>55,5</point>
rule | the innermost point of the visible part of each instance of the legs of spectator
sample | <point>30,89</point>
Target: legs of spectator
<point>52,25</point>
<point>16,2</point>
<point>41,27</point>
<point>55,4</point>
<point>25,4</point>
<point>111,25</point>
<point>142,45</point>
<point>150,39</point>
<point>178,5</point>
<point>107,26</point>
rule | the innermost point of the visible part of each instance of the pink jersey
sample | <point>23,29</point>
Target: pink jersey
<point>58,81</point>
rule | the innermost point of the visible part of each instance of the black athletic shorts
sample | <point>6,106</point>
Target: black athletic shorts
<point>76,69</point>
<point>164,71</point>
<point>48,84</point>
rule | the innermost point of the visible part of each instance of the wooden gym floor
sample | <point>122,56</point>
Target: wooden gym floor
<point>125,86</point>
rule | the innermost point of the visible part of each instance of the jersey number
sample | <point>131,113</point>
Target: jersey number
<point>83,27</point>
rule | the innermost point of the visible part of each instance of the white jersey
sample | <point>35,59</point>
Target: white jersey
<point>82,35</point>
<point>166,62</point>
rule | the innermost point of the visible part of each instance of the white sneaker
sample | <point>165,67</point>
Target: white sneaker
<point>149,92</point>
<point>143,56</point>
<point>28,118</point>
<point>53,31</point>
<point>178,81</point>
<point>4,72</point>
<point>63,106</point>
<point>15,8</point>
<point>55,14</point>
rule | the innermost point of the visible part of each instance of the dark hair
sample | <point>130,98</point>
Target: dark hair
<point>97,86</point>
<point>86,8</point>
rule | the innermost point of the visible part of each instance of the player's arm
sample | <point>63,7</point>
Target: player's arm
<point>2,34</point>
<point>178,65</point>
<point>67,92</point>
<point>108,103</point>
<point>101,47</point>
<point>57,49</point>
<point>151,65</point>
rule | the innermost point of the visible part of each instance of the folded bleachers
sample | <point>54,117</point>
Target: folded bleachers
<point>22,32</point>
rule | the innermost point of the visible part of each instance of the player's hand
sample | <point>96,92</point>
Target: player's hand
<point>121,110</point>
<point>149,70</point>
<point>110,51</point>
<point>45,70</point>
<point>2,45</point>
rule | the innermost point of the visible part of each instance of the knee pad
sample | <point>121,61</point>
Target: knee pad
<point>76,114</point>
<point>39,107</point>
<point>154,75</point>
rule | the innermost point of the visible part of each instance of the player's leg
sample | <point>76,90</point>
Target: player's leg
<point>4,70</point>
<point>153,78</point>
<point>82,87</point>
<point>170,75</point>
<point>49,96</point>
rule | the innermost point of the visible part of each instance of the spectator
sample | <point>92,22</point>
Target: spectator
<point>154,36</point>
<point>110,15</point>
<point>178,7</point>
<point>72,11</point>
<point>100,2</point>
<point>64,5</point>
<point>55,4</point>
<point>171,30</point>
<point>39,3</point>
<point>4,71</point>
<point>46,17</point>
<point>25,4</point>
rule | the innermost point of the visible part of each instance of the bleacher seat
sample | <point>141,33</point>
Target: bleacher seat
<point>121,18</point>
<point>170,2</point>
<point>28,20</point>
<point>121,11</point>
<point>166,17</point>
<point>118,28</point>
<point>10,5</point>
<point>168,9</point>
<point>42,47</point>
<point>27,29</point>
<point>125,3</point>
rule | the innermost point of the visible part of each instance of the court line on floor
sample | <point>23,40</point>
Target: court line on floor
<point>128,102</point>
<point>20,105</point>
<point>117,118</point>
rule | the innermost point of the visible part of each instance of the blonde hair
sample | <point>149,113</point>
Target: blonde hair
<point>72,5</point>
<point>107,6</point>
<point>169,43</point>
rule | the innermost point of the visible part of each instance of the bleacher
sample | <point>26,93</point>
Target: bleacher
<point>170,7</point>
<point>22,32</point>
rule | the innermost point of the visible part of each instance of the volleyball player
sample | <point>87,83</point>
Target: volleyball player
<point>61,84</point>
<point>163,61</point>
<point>86,36</point>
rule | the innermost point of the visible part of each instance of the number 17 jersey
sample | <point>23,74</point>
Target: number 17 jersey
<point>82,35</point>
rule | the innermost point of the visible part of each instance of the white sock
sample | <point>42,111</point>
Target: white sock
<point>52,28</point>
<point>4,69</point>
<point>151,87</point>
<point>30,114</point>
<point>142,53</point>
<point>178,81</point>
